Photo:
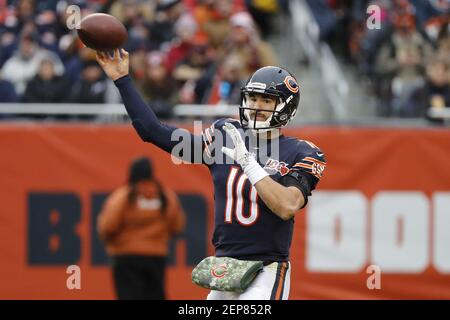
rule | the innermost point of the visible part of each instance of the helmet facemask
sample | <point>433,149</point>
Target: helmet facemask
<point>249,120</point>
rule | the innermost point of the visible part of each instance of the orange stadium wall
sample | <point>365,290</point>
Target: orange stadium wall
<point>384,200</point>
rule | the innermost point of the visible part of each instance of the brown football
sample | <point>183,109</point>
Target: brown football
<point>102,32</point>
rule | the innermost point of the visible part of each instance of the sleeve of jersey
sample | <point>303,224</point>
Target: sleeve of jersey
<point>305,173</point>
<point>151,130</point>
<point>208,142</point>
<point>213,140</point>
<point>314,164</point>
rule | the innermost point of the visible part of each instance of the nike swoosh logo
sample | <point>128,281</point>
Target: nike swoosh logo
<point>319,154</point>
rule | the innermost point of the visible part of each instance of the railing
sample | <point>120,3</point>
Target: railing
<point>117,113</point>
<point>307,31</point>
<point>62,109</point>
<point>112,112</point>
<point>440,114</point>
<point>195,110</point>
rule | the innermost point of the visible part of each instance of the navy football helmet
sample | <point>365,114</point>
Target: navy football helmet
<point>275,82</point>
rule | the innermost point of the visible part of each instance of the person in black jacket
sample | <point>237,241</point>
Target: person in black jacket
<point>435,92</point>
<point>7,91</point>
<point>46,86</point>
<point>92,86</point>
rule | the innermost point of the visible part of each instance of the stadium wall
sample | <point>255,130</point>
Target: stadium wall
<point>383,204</point>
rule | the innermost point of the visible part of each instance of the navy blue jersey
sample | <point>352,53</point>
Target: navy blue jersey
<point>245,228</point>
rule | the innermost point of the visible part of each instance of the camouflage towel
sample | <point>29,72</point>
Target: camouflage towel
<point>225,274</point>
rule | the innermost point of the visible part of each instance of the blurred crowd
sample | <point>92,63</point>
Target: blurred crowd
<point>181,51</point>
<point>202,51</point>
<point>406,61</point>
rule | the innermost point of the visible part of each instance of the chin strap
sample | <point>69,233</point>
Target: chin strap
<point>267,133</point>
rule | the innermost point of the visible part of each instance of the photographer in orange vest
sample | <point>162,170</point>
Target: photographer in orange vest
<point>136,224</point>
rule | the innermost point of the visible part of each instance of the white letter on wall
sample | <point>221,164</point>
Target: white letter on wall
<point>400,231</point>
<point>336,232</point>
<point>441,239</point>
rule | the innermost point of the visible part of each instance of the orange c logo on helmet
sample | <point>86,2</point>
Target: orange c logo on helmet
<point>291,84</point>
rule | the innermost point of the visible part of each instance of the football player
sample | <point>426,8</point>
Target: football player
<point>255,200</point>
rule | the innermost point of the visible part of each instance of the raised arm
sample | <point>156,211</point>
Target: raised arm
<point>144,120</point>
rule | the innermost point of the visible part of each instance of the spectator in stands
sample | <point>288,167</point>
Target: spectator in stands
<point>8,45</point>
<point>157,86</point>
<point>7,91</point>
<point>443,44</point>
<point>263,13</point>
<point>399,63</point>
<point>32,31</point>
<point>76,55</point>
<point>325,17</point>
<point>189,71</point>
<point>47,26</point>
<point>24,13</point>
<point>168,13</point>
<point>405,35</point>
<point>393,58</point>
<point>138,17</point>
<point>213,18</point>
<point>244,42</point>
<point>407,78</point>
<point>138,55</point>
<point>92,87</point>
<point>223,86</point>
<point>130,12</point>
<point>435,93</point>
<point>24,64</point>
<point>363,42</point>
<point>197,61</point>
<point>136,224</point>
<point>429,9</point>
<point>185,31</point>
<point>46,86</point>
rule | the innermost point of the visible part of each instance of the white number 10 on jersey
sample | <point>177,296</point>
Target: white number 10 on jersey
<point>235,200</point>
